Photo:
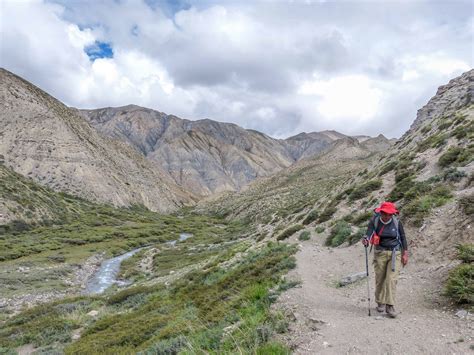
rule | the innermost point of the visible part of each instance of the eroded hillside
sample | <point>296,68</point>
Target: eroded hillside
<point>43,139</point>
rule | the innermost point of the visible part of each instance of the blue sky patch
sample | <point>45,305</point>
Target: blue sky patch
<point>99,50</point>
<point>169,7</point>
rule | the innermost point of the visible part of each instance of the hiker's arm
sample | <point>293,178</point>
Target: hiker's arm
<point>403,238</point>
<point>368,234</point>
<point>370,228</point>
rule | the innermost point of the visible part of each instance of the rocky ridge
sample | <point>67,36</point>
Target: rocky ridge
<point>205,156</point>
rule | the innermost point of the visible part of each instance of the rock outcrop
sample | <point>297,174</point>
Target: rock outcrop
<point>449,98</point>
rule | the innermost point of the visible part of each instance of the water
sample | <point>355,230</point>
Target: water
<point>182,238</point>
<point>106,276</point>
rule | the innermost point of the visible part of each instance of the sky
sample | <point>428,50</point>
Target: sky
<point>277,66</point>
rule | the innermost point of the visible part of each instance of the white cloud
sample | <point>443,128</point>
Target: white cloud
<point>279,67</point>
<point>346,97</point>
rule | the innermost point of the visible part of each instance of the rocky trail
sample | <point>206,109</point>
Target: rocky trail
<point>334,320</point>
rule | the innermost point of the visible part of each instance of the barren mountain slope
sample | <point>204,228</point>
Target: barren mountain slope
<point>290,194</point>
<point>206,156</point>
<point>202,156</point>
<point>43,139</point>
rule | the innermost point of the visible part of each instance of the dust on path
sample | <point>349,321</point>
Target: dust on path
<point>331,320</point>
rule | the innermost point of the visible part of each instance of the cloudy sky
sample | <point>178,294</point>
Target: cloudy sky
<point>281,67</point>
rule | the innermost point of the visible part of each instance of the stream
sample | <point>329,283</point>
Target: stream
<point>106,276</point>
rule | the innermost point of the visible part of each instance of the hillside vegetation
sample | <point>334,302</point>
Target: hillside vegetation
<point>212,293</point>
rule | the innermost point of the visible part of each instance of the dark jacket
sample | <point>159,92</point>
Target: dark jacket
<point>388,236</point>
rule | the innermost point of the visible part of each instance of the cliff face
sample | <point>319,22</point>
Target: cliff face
<point>449,98</point>
<point>43,139</point>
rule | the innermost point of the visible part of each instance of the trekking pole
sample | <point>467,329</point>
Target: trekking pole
<point>367,271</point>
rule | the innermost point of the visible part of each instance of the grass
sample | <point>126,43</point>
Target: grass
<point>190,315</point>
<point>466,252</point>
<point>328,212</point>
<point>456,156</point>
<point>434,141</point>
<point>420,207</point>
<point>356,237</point>
<point>320,229</point>
<point>453,175</point>
<point>362,190</point>
<point>362,218</point>
<point>339,233</point>
<point>467,204</point>
<point>310,217</point>
<point>387,168</point>
<point>460,284</point>
<point>305,235</point>
<point>288,232</point>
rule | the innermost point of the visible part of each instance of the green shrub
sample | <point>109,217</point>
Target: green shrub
<point>320,229</point>
<point>453,175</point>
<point>466,252</point>
<point>364,189</point>
<point>400,189</point>
<point>445,124</point>
<point>467,204</point>
<point>362,218</point>
<point>420,207</point>
<point>310,217</point>
<point>466,156</point>
<point>338,234</point>
<point>460,284</point>
<point>122,296</point>
<point>402,174</point>
<point>449,157</point>
<point>327,213</point>
<point>426,129</point>
<point>434,141</point>
<point>460,118</point>
<point>348,217</point>
<point>289,231</point>
<point>272,348</point>
<point>387,168</point>
<point>459,132</point>
<point>305,235</point>
<point>357,236</point>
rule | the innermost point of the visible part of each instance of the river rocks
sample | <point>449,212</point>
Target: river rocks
<point>462,313</point>
<point>349,279</point>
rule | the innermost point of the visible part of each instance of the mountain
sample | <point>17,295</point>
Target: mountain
<point>205,156</point>
<point>428,173</point>
<point>202,156</point>
<point>291,194</point>
<point>43,139</point>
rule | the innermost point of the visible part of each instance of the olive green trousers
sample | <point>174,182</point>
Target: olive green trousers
<point>385,278</point>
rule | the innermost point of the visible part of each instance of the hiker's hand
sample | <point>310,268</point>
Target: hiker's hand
<point>405,257</point>
<point>365,241</point>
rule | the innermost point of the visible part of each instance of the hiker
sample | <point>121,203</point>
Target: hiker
<point>386,233</point>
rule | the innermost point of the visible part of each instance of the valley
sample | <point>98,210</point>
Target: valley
<point>270,228</point>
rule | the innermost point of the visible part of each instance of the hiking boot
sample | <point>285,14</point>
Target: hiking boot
<point>391,311</point>
<point>380,307</point>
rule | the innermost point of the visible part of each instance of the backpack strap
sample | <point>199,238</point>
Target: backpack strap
<point>376,221</point>
<point>396,222</point>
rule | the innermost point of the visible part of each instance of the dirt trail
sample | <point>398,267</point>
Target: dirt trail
<point>331,320</point>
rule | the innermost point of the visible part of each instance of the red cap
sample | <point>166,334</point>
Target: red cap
<point>387,207</point>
